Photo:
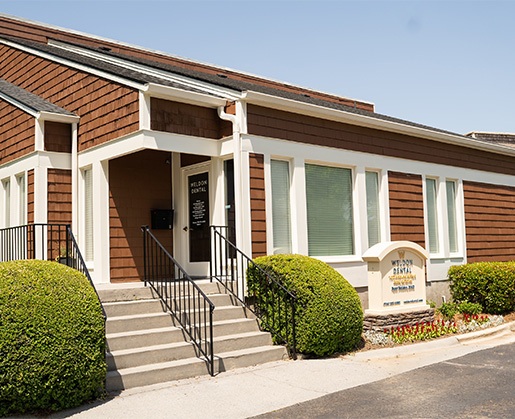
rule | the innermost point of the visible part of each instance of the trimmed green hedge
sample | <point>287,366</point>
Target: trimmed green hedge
<point>52,340</point>
<point>491,284</point>
<point>329,313</point>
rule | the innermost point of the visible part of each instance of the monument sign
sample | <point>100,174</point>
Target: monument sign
<point>396,278</point>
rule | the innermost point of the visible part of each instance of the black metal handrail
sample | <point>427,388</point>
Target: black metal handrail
<point>180,294</point>
<point>229,267</point>
<point>54,242</point>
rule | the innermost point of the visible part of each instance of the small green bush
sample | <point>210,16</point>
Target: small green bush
<point>329,314</point>
<point>52,340</point>
<point>490,284</point>
<point>448,310</point>
<point>466,307</point>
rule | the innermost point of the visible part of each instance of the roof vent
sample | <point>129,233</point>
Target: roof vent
<point>222,76</point>
<point>306,95</point>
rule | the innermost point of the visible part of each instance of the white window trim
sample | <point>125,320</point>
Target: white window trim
<point>357,228</point>
<point>460,219</point>
<point>442,220</point>
<point>269,197</point>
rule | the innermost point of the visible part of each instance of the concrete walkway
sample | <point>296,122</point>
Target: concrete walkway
<point>252,391</point>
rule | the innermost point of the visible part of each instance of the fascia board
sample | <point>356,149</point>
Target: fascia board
<point>152,140</point>
<point>73,64</point>
<point>19,105</point>
<point>193,98</point>
<point>289,105</point>
<point>57,117</point>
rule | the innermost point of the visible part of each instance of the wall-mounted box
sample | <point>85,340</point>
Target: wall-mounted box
<point>162,219</point>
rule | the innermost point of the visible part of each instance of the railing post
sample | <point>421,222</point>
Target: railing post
<point>293,337</point>
<point>145,267</point>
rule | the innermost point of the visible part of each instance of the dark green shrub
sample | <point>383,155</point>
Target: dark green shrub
<point>448,310</point>
<point>491,284</point>
<point>470,308</point>
<point>52,350</point>
<point>329,314</point>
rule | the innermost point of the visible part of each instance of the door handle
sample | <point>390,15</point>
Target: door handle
<point>185,228</point>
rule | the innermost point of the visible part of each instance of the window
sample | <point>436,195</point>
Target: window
<point>88,213</point>
<point>281,221</point>
<point>329,210</point>
<point>7,202</point>
<point>432,220</point>
<point>452,226</point>
<point>22,199</point>
<point>373,216</point>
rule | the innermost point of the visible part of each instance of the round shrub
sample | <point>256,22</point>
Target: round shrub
<point>52,340</point>
<point>329,316</point>
<point>490,284</point>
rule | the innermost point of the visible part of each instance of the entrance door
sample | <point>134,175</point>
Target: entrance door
<point>196,232</point>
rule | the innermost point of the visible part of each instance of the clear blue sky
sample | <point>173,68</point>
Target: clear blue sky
<point>447,64</point>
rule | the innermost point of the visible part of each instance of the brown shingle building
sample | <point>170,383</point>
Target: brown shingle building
<point>100,134</point>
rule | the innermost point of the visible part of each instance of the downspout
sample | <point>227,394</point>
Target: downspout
<point>238,187</point>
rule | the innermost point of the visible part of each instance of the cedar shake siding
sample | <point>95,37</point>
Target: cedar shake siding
<point>257,204</point>
<point>17,132</point>
<point>58,137</point>
<point>107,110</point>
<point>138,183</point>
<point>406,207</point>
<point>59,196</point>
<point>489,222</point>
<point>30,196</point>
<point>37,33</point>
<point>305,129</point>
<point>182,118</point>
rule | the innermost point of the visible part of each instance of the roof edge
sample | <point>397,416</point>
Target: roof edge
<point>371,122</point>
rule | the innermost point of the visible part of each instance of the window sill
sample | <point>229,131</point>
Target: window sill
<point>339,259</point>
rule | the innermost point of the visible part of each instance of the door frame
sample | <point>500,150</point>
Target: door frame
<point>194,269</point>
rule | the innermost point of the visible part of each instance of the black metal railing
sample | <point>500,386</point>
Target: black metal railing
<point>180,295</point>
<point>229,266</point>
<point>54,242</point>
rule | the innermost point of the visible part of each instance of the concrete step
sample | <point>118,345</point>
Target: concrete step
<point>164,335</point>
<point>138,322</point>
<point>128,308</point>
<point>191,367</point>
<point>133,357</point>
<point>124,292</point>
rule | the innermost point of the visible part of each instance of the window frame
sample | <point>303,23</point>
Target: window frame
<point>289,206</point>
<point>356,248</point>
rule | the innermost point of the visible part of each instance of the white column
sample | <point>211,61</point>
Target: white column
<point>75,181</point>
<point>101,249</point>
<point>40,195</point>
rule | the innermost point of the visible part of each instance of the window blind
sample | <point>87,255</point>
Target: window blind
<point>451,215</point>
<point>329,210</point>
<point>432,220</point>
<point>281,221</point>
<point>373,217</point>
